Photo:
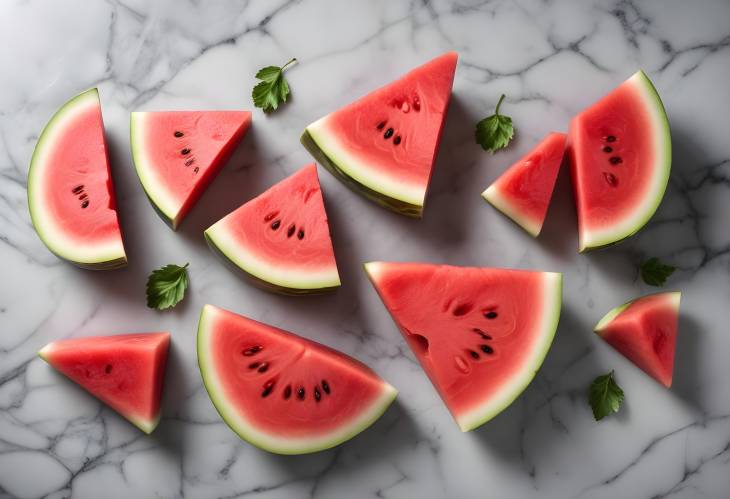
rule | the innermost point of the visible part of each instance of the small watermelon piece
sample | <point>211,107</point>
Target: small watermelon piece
<point>124,371</point>
<point>70,192</point>
<point>620,152</point>
<point>523,192</point>
<point>178,153</point>
<point>645,332</point>
<point>480,334</point>
<point>281,239</point>
<point>384,145</point>
<point>281,392</point>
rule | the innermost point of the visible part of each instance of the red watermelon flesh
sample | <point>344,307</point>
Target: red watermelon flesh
<point>178,153</point>
<point>479,333</point>
<point>281,238</point>
<point>282,392</point>
<point>70,192</point>
<point>645,332</point>
<point>385,143</point>
<point>124,371</point>
<point>523,192</point>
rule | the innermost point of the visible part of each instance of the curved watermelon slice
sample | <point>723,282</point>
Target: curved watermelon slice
<point>281,392</point>
<point>70,192</point>
<point>645,331</point>
<point>523,192</point>
<point>124,371</point>
<point>178,153</point>
<point>281,238</point>
<point>620,152</point>
<point>384,145</point>
<point>480,334</point>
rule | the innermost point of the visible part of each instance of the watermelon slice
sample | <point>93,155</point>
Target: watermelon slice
<point>620,152</point>
<point>281,238</point>
<point>480,334</point>
<point>123,371</point>
<point>281,392</point>
<point>178,153</point>
<point>645,332</point>
<point>70,192</point>
<point>384,145</point>
<point>523,192</point>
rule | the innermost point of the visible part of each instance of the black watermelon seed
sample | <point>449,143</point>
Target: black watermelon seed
<point>396,140</point>
<point>108,368</point>
<point>481,333</point>
<point>325,387</point>
<point>388,133</point>
<point>610,179</point>
<point>615,160</point>
<point>268,388</point>
<point>85,204</point>
<point>300,234</point>
<point>77,189</point>
<point>251,351</point>
<point>287,391</point>
<point>83,196</point>
<point>196,170</point>
<point>486,349</point>
<point>270,216</point>
<point>381,125</point>
<point>610,138</point>
<point>264,367</point>
<point>178,134</point>
<point>300,393</point>
<point>290,230</point>
<point>275,225</point>
<point>185,151</point>
<point>473,354</point>
<point>491,314</point>
<point>189,161</point>
<point>608,149</point>
<point>254,365</point>
<point>317,395</point>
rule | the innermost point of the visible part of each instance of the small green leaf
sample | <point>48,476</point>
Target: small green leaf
<point>495,131</point>
<point>166,286</point>
<point>655,273</point>
<point>273,88</point>
<point>605,396</point>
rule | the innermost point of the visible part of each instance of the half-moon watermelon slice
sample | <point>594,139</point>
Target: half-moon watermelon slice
<point>620,152</point>
<point>645,332</point>
<point>281,239</point>
<point>523,192</point>
<point>124,371</point>
<point>178,153</point>
<point>70,192</point>
<point>480,334</point>
<point>384,145</point>
<point>281,392</point>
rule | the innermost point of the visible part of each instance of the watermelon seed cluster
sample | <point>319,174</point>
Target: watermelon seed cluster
<point>83,197</point>
<point>613,160</point>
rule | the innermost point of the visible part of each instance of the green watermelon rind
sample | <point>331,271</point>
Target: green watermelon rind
<point>316,141</point>
<point>277,446</point>
<point>106,260</point>
<point>664,148</point>
<point>616,311</point>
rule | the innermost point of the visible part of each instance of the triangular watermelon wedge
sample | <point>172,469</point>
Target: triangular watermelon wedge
<point>178,153</point>
<point>124,371</point>
<point>645,331</point>
<point>480,334</point>
<point>384,145</point>
<point>281,239</point>
<point>523,192</point>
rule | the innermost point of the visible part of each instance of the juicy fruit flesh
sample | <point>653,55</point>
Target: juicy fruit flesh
<point>620,154</point>
<point>645,331</point>
<point>178,153</point>
<point>523,192</point>
<point>480,334</point>
<point>283,392</point>
<point>123,371</point>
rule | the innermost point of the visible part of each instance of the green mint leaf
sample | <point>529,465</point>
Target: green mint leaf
<point>495,131</point>
<point>605,396</point>
<point>166,286</point>
<point>273,89</point>
<point>655,273</point>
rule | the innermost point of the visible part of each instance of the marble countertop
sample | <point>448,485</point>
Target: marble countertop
<point>551,59</point>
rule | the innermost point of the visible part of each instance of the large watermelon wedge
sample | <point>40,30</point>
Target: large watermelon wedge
<point>178,153</point>
<point>281,239</point>
<point>124,371</point>
<point>384,145</point>
<point>281,392</point>
<point>70,192</point>
<point>480,334</point>
<point>620,152</point>
<point>645,331</point>
<point>523,192</point>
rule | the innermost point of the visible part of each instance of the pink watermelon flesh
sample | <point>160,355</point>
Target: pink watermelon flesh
<point>124,371</point>
<point>281,238</point>
<point>282,392</point>
<point>178,153</point>
<point>523,192</point>
<point>385,143</point>
<point>480,334</point>
<point>645,332</point>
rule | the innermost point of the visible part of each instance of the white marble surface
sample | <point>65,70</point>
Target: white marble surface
<point>551,59</point>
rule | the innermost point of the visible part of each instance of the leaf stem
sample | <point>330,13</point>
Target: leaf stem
<point>499,103</point>
<point>292,61</point>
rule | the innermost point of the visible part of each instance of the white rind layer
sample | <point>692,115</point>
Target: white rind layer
<point>265,440</point>
<point>493,196</point>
